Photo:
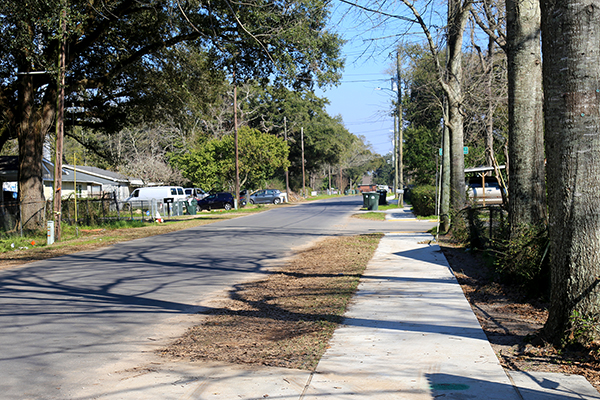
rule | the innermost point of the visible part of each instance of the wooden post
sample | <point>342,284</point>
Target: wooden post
<point>303,175</point>
<point>60,107</point>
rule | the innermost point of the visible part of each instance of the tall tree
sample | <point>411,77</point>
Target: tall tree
<point>450,78</point>
<point>570,37</point>
<point>458,12</point>
<point>490,15</point>
<point>109,41</point>
<point>527,192</point>
<point>423,112</point>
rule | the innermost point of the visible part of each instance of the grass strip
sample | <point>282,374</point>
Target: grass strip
<point>15,251</point>
<point>374,216</point>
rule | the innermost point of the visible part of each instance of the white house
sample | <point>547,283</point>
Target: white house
<point>85,181</point>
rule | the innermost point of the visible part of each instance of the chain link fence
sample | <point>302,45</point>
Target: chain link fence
<point>90,211</point>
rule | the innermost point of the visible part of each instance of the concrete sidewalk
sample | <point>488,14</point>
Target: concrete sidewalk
<point>408,334</point>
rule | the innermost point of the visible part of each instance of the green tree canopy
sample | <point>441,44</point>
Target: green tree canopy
<point>212,165</point>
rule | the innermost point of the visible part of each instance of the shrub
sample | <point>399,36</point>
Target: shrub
<point>523,259</point>
<point>423,200</point>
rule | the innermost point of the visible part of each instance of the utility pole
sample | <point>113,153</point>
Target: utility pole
<point>329,174</point>
<point>287,172</point>
<point>60,107</point>
<point>235,130</point>
<point>303,176</point>
<point>400,132</point>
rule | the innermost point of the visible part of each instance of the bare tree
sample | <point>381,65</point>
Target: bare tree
<point>449,76</point>
<point>527,194</point>
<point>450,79</point>
<point>142,153</point>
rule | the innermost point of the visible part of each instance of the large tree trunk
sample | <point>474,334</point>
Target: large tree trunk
<point>571,33</point>
<point>489,118</point>
<point>527,193</point>
<point>32,129</point>
<point>457,19</point>
<point>445,179</point>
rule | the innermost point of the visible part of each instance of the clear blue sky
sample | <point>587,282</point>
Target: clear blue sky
<point>364,97</point>
<point>365,109</point>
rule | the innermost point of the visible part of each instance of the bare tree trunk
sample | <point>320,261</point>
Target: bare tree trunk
<point>457,20</point>
<point>445,178</point>
<point>450,78</point>
<point>571,33</point>
<point>527,194</point>
<point>489,119</point>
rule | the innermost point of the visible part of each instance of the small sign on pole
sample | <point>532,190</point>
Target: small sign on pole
<point>50,235</point>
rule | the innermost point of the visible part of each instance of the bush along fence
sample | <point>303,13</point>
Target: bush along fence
<point>92,211</point>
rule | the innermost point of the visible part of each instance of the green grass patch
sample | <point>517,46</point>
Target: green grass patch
<point>375,216</point>
<point>428,218</point>
<point>389,207</point>
<point>76,238</point>
<point>323,197</point>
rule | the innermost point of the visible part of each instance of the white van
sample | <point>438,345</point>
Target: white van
<point>158,192</point>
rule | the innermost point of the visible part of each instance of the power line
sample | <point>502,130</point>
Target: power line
<point>367,80</point>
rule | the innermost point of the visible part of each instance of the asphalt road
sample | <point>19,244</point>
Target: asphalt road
<point>67,320</point>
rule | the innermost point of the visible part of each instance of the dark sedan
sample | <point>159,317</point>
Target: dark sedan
<point>216,201</point>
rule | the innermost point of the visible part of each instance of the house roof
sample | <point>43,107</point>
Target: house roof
<point>367,180</point>
<point>101,173</point>
<point>9,171</point>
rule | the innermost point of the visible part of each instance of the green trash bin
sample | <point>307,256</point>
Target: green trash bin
<point>365,199</point>
<point>192,206</point>
<point>373,201</point>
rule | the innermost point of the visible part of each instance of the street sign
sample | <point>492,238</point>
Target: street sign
<point>465,150</point>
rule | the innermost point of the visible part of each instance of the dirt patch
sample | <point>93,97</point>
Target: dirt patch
<point>287,319</point>
<point>511,321</point>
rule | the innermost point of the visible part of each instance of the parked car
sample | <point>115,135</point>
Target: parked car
<point>491,194</point>
<point>244,197</point>
<point>196,193</point>
<point>266,196</point>
<point>215,201</point>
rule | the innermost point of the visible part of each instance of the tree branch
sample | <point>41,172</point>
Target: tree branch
<point>400,17</point>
